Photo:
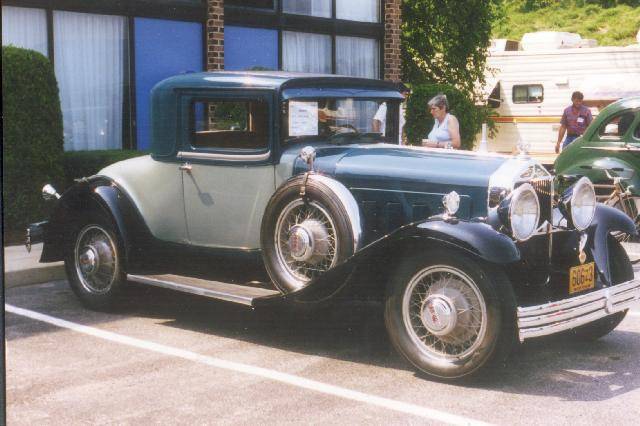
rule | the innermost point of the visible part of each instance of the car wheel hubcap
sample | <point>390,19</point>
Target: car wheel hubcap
<point>439,315</point>
<point>89,260</point>
<point>95,259</point>
<point>444,313</point>
<point>306,241</point>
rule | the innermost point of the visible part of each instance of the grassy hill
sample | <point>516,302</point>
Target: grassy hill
<point>610,22</point>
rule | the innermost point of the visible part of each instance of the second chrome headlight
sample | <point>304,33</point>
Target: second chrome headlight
<point>523,212</point>
<point>580,203</point>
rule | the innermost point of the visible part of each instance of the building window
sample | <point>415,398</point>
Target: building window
<point>321,8</point>
<point>357,56</point>
<point>163,48</point>
<point>25,27</point>
<point>90,58</point>
<point>305,52</point>
<point>250,48</point>
<point>528,94</point>
<point>358,10</point>
<point>257,4</point>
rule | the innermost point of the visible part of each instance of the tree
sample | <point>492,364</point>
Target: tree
<point>32,144</point>
<point>445,42</point>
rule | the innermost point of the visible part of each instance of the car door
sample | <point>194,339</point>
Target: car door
<point>228,175</point>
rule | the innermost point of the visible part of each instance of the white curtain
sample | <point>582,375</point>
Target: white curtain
<point>306,52</point>
<point>357,56</point>
<point>90,54</point>
<point>25,27</point>
<point>308,7</point>
<point>358,10</point>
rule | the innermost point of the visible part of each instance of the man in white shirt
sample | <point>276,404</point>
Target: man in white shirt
<point>380,119</point>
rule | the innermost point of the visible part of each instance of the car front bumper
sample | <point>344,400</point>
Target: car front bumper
<point>554,317</point>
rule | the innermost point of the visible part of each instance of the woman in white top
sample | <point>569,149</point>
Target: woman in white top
<point>446,129</point>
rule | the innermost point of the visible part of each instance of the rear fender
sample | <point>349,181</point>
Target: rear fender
<point>87,198</point>
<point>475,239</point>
<point>606,220</point>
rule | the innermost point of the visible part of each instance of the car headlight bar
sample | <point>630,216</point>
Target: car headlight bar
<point>520,212</point>
<point>578,204</point>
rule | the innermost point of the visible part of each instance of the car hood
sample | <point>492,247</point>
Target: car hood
<point>405,169</point>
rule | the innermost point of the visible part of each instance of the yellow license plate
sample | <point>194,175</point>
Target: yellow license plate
<point>581,278</point>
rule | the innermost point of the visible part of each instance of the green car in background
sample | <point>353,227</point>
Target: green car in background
<point>609,155</point>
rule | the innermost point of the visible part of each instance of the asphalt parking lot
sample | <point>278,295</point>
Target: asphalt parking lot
<point>165,357</point>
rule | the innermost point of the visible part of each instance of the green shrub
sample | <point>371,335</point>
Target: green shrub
<point>32,134</point>
<point>420,122</point>
<point>79,164</point>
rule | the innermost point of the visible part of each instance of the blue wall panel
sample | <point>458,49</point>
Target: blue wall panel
<point>245,48</point>
<point>163,48</point>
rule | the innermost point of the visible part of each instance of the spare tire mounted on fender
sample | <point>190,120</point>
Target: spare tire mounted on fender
<point>311,224</point>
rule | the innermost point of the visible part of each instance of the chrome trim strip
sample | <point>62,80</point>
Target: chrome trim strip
<point>554,317</point>
<point>223,157</point>
<point>350,204</point>
<point>244,300</point>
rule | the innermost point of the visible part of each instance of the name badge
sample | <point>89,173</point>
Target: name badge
<point>580,120</point>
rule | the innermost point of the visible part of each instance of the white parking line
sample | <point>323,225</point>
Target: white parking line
<point>265,373</point>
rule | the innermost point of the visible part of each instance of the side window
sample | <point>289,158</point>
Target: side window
<point>230,124</point>
<point>617,126</point>
<point>527,94</point>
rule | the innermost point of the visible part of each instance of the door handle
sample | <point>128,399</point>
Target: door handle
<point>185,167</point>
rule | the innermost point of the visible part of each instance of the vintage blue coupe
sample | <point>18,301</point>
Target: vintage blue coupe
<point>469,252</point>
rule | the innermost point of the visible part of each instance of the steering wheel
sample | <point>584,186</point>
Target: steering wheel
<point>346,126</point>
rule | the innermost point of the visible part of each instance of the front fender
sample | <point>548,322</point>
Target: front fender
<point>606,220</point>
<point>476,239</point>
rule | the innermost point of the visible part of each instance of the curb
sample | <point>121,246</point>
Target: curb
<point>37,275</point>
<point>23,268</point>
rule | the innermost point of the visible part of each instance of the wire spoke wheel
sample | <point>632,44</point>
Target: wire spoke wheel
<point>444,313</point>
<point>96,260</point>
<point>306,240</point>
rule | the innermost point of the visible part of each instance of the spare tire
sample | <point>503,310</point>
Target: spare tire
<point>302,236</point>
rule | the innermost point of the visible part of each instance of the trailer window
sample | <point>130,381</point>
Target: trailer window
<point>528,94</point>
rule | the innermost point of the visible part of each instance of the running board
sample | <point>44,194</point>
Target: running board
<point>244,295</point>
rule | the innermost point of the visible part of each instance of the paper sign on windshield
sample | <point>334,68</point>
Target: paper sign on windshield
<point>303,118</point>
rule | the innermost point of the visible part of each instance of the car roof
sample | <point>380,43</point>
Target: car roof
<point>276,80</point>
<point>631,102</point>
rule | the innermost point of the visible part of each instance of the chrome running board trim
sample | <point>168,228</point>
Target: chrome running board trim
<point>244,295</point>
<point>554,317</point>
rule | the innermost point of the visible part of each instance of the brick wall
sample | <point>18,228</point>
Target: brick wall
<point>392,21</point>
<point>215,35</point>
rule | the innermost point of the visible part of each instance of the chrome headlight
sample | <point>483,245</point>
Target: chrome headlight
<point>579,202</point>
<point>522,212</point>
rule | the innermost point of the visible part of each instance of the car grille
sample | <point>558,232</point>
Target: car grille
<point>544,189</point>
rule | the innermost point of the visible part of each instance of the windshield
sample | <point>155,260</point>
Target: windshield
<point>345,120</point>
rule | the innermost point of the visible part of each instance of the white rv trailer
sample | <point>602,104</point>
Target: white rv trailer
<point>532,87</point>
